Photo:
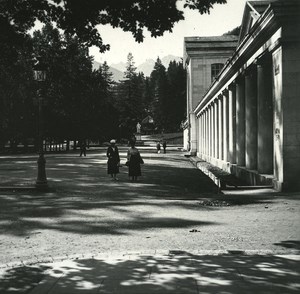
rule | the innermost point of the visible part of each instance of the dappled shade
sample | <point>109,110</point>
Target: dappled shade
<point>174,273</point>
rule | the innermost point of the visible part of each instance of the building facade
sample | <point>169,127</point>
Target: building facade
<point>247,119</point>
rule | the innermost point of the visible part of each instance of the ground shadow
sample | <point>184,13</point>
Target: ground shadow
<point>294,244</point>
<point>185,273</point>
<point>82,185</point>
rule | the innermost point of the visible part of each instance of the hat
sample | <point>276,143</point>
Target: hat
<point>112,141</point>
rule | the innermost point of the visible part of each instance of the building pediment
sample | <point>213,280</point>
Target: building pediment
<point>253,10</point>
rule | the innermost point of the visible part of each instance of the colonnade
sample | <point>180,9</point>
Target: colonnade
<point>236,126</point>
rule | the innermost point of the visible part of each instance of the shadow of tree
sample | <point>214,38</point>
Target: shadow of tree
<point>295,244</point>
<point>184,273</point>
<point>22,279</point>
<point>82,185</point>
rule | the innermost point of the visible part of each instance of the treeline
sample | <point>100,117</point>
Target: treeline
<point>80,103</point>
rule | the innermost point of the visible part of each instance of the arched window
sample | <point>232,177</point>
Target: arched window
<point>215,69</point>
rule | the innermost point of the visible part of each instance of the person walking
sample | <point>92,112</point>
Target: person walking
<point>113,161</point>
<point>134,161</point>
<point>164,146</point>
<point>82,148</point>
<point>158,147</point>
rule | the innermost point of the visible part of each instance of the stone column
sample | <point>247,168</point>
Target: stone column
<point>200,134</point>
<point>216,133</point>
<point>205,132</point>
<point>240,121</point>
<point>220,115</point>
<point>225,125</point>
<point>251,118</point>
<point>265,116</point>
<point>212,139</point>
<point>232,123</point>
<point>193,134</point>
<point>212,130</point>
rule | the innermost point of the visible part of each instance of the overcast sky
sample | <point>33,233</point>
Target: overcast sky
<point>222,19</point>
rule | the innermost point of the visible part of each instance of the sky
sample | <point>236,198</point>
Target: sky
<point>221,19</point>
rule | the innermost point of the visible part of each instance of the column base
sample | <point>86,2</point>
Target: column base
<point>41,185</point>
<point>251,177</point>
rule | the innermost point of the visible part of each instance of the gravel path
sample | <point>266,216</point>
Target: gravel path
<point>174,206</point>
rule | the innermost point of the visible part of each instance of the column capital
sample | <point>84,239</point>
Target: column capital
<point>232,86</point>
<point>250,70</point>
<point>225,92</point>
<point>240,78</point>
<point>263,59</point>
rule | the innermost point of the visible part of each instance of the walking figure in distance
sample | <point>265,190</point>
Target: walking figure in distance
<point>164,146</point>
<point>83,148</point>
<point>134,161</point>
<point>158,147</point>
<point>113,161</point>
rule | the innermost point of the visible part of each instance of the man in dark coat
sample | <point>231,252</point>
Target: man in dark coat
<point>113,161</point>
<point>83,148</point>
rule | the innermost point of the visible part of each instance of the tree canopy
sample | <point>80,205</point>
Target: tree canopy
<point>80,18</point>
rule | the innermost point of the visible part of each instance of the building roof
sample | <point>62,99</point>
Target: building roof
<point>213,43</point>
<point>222,38</point>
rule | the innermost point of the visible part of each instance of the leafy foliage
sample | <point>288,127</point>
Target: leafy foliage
<point>167,88</point>
<point>17,115</point>
<point>79,102</point>
<point>77,18</point>
<point>235,31</point>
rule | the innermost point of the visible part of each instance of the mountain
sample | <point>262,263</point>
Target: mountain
<point>121,66</point>
<point>118,69</point>
<point>96,64</point>
<point>117,74</point>
<point>148,65</point>
<point>167,59</point>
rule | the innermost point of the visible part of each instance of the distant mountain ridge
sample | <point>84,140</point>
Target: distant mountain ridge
<point>146,67</point>
<point>117,74</point>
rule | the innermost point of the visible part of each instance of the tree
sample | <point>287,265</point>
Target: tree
<point>80,19</point>
<point>177,95</point>
<point>78,98</point>
<point>17,116</point>
<point>129,98</point>
<point>165,95</point>
<point>104,114</point>
<point>235,31</point>
<point>160,87</point>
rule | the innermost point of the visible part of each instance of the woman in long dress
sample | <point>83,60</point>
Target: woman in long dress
<point>134,160</point>
<point>113,161</point>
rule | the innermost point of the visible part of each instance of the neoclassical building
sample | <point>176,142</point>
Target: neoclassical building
<point>243,96</point>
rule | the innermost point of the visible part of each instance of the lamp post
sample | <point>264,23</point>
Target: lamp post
<point>39,70</point>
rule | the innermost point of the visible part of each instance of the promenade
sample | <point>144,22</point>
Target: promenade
<point>170,232</point>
